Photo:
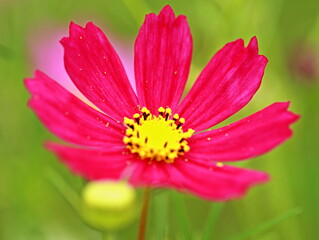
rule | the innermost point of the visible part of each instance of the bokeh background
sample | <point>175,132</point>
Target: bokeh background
<point>33,207</point>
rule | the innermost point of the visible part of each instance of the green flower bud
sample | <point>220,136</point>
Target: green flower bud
<point>108,205</point>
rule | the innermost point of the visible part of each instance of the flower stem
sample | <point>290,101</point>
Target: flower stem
<point>143,219</point>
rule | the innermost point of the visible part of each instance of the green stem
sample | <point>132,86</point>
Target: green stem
<point>144,213</point>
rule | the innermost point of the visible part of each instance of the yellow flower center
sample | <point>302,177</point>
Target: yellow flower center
<point>159,138</point>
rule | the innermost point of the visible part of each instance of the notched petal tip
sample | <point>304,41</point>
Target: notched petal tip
<point>253,43</point>
<point>245,189</point>
<point>234,44</point>
<point>254,49</point>
<point>256,178</point>
<point>149,17</point>
<point>90,25</point>
<point>252,46</point>
<point>213,182</point>
<point>262,178</point>
<point>167,10</point>
<point>28,82</point>
<point>166,15</point>
<point>75,30</point>
<point>36,74</point>
<point>63,41</point>
<point>295,117</point>
<point>39,74</point>
<point>285,105</point>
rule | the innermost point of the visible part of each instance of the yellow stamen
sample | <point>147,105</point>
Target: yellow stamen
<point>157,138</point>
<point>136,115</point>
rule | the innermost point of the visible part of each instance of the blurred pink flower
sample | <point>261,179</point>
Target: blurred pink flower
<point>152,138</point>
<point>303,62</point>
<point>47,55</point>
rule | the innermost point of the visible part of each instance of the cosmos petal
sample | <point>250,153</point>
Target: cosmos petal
<point>247,138</point>
<point>163,52</point>
<point>209,181</point>
<point>93,164</point>
<point>145,174</point>
<point>68,117</point>
<point>97,71</point>
<point>226,85</point>
<point>204,179</point>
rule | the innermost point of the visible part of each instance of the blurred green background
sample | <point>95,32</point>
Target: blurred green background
<point>31,207</point>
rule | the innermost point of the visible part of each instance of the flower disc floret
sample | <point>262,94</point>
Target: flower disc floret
<point>159,138</point>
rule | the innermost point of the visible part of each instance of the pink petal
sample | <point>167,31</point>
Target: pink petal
<point>226,85</point>
<point>163,51</point>
<point>93,164</point>
<point>68,117</point>
<point>145,174</point>
<point>247,138</point>
<point>209,181</point>
<point>97,71</point>
<point>203,179</point>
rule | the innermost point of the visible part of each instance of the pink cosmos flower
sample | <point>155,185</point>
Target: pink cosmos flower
<point>153,138</point>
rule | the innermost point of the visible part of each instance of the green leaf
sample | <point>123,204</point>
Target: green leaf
<point>267,225</point>
<point>211,221</point>
<point>179,206</point>
<point>64,188</point>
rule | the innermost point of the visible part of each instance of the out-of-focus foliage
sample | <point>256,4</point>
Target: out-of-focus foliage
<point>31,207</point>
